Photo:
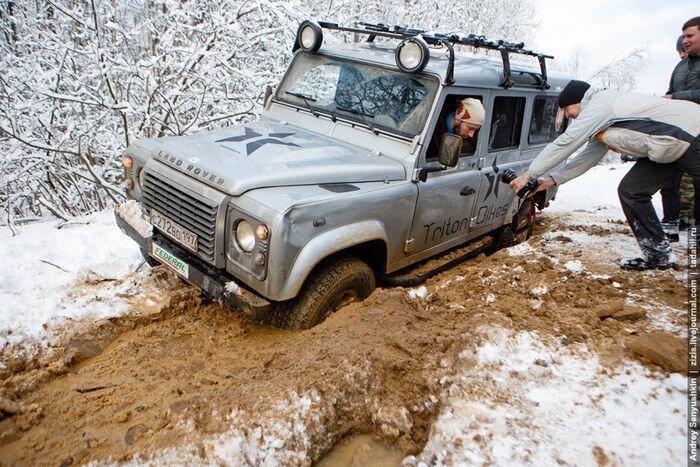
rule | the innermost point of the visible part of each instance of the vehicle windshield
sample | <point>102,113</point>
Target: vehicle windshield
<point>377,97</point>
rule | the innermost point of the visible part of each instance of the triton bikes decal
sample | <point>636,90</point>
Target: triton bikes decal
<point>271,138</point>
<point>450,227</point>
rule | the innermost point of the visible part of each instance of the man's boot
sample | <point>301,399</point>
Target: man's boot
<point>671,230</point>
<point>643,264</point>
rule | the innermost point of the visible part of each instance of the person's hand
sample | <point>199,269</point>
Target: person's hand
<point>520,182</point>
<point>668,96</point>
<point>544,183</point>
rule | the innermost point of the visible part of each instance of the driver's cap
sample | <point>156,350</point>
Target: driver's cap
<point>470,110</point>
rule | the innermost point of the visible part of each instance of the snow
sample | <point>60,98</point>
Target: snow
<point>133,214</point>
<point>566,410</point>
<point>419,292</point>
<point>574,266</point>
<point>42,266</point>
<point>232,288</point>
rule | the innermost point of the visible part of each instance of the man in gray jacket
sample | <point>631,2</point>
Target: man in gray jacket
<point>661,133</point>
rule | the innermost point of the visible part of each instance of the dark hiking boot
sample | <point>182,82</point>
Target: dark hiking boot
<point>641,264</point>
<point>671,230</point>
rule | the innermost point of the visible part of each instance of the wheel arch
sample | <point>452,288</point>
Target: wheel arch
<point>366,241</point>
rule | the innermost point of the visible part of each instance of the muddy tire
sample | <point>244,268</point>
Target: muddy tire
<point>523,225</point>
<point>503,238</point>
<point>516,232</point>
<point>331,287</point>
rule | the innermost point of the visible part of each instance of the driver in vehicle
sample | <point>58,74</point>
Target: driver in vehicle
<point>467,119</point>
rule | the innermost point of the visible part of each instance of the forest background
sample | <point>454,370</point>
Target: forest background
<point>81,79</point>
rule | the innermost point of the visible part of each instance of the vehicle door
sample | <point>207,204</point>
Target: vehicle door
<point>503,133</point>
<point>446,199</point>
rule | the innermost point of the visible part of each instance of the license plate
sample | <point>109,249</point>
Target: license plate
<point>170,260</point>
<point>174,230</point>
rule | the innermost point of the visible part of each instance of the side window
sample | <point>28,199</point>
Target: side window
<point>506,123</point>
<point>542,130</point>
<point>445,124</point>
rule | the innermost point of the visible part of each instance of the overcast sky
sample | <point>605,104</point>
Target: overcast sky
<point>604,29</point>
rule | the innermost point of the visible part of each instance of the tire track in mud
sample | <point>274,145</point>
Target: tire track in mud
<point>193,381</point>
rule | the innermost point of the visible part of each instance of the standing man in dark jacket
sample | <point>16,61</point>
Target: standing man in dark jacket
<point>684,85</point>
<point>685,79</point>
<point>679,192</point>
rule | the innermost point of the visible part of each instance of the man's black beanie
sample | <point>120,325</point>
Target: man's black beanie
<point>573,93</point>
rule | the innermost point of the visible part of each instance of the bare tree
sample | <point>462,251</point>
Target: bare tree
<point>621,72</point>
<point>82,79</point>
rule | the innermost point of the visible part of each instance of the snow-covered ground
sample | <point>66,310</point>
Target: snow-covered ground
<point>566,410</point>
<point>41,265</point>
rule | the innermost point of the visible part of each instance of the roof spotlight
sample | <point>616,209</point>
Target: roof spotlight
<point>412,55</point>
<point>309,36</point>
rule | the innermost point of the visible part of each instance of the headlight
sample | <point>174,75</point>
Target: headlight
<point>309,36</point>
<point>245,236</point>
<point>141,176</point>
<point>412,55</point>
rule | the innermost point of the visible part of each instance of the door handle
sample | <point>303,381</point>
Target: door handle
<point>467,191</point>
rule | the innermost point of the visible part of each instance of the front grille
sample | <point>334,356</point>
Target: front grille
<point>192,211</point>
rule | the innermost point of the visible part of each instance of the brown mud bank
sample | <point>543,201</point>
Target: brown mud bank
<point>198,382</point>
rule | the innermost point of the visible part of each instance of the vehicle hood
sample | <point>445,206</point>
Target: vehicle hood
<point>269,154</point>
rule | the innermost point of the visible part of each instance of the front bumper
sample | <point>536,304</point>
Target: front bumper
<point>211,280</point>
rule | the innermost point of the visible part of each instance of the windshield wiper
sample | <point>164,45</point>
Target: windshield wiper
<point>306,100</point>
<point>362,116</point>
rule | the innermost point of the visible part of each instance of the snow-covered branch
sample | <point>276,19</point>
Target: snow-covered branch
<point>81,79</point>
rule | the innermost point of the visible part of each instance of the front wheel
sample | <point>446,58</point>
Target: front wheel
<point>331,287</point>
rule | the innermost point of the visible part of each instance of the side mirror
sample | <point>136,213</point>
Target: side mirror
<point>450,149</point>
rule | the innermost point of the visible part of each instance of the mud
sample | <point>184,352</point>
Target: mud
<point>178,372</point>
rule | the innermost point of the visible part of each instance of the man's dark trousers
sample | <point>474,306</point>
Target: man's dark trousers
<point>636,189</point>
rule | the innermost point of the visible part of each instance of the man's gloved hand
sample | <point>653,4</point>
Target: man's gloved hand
<point>520,182</point>
<point>544,183</point>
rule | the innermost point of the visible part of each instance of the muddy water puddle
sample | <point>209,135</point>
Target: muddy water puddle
<point>362,451</point>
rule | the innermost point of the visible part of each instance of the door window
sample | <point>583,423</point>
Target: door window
<point>445,122</point>
<point>544,113</point>
<point>506,123</point>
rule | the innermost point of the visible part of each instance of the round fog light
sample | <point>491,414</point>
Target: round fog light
<point>262,232</point>
<point>129,183</point>
<point>412,55</point>
<point>259,259</point>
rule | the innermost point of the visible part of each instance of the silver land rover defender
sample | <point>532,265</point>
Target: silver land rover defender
<point>349,177</point>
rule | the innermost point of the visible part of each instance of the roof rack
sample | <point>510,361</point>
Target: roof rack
<point>448,39</point>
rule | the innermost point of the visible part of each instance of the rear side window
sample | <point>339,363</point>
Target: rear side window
<point>506,123</point>
<point>542,129</point>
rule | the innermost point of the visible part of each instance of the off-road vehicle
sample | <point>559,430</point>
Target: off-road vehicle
<point>349,177</point>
